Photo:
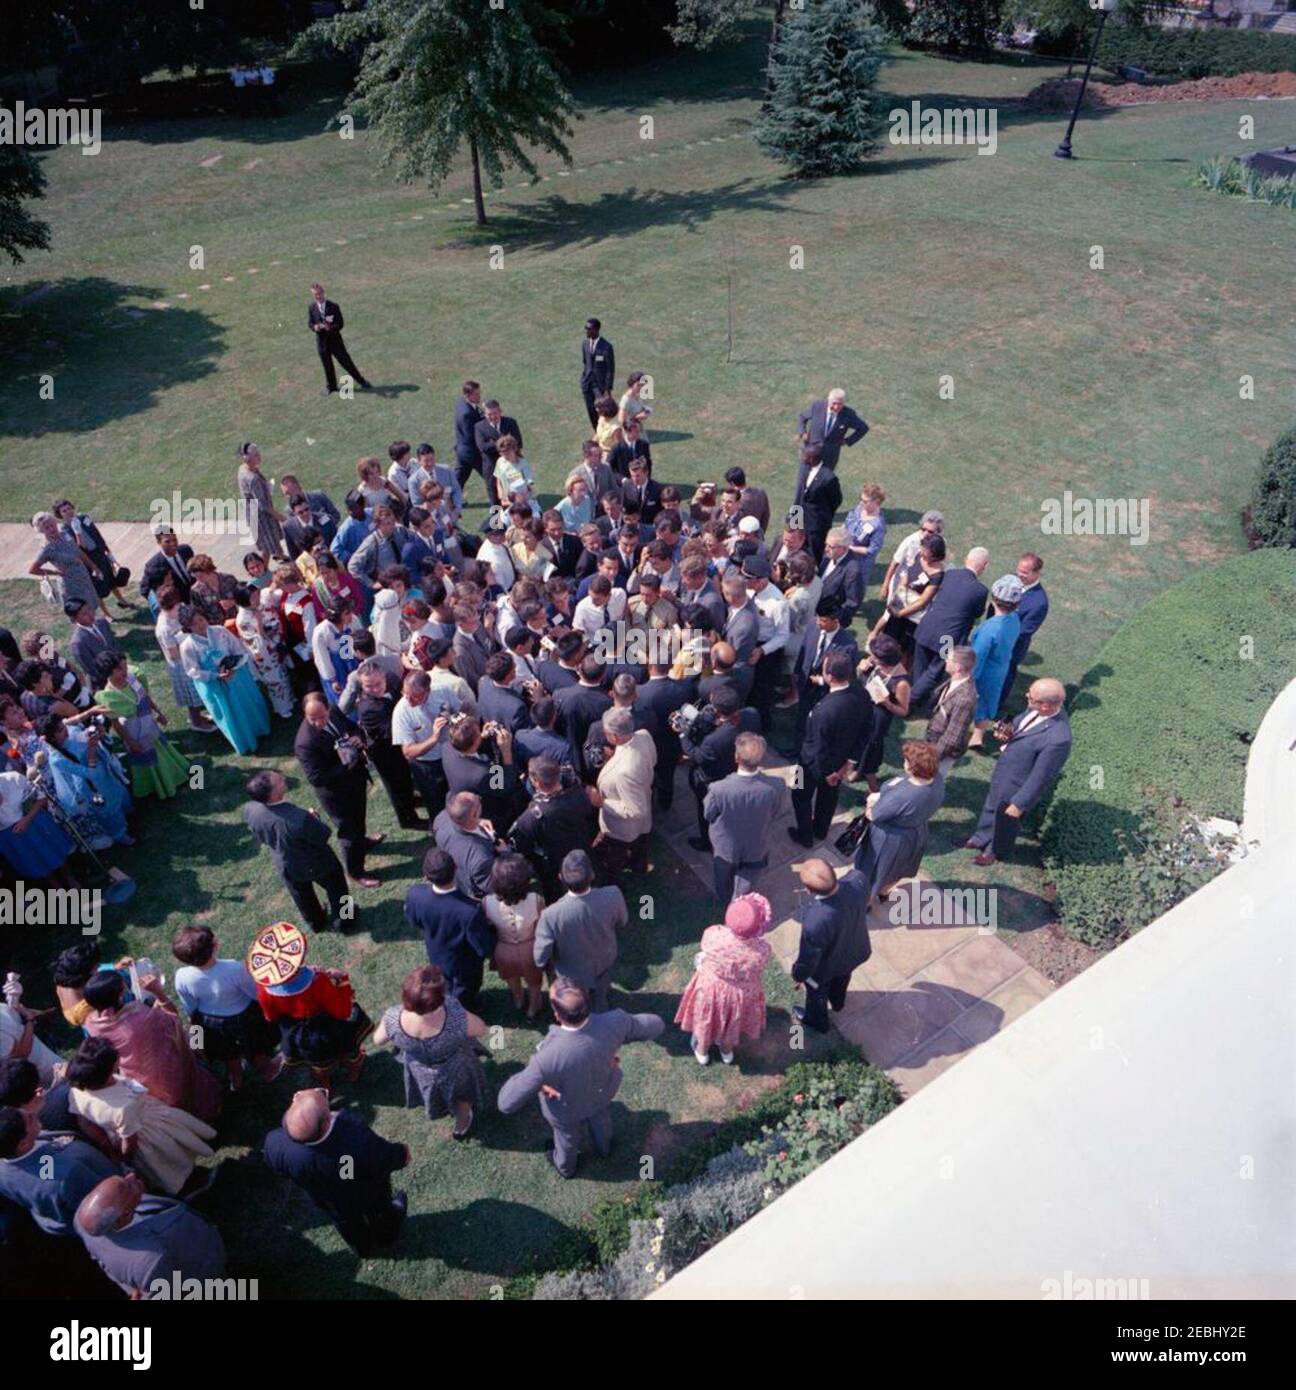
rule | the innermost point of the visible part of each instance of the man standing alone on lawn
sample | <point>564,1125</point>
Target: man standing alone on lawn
<point>324,319</point>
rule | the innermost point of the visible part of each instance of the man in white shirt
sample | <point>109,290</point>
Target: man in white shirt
<point>601,607</point>
<point>773,629</point>
<point>494,552</point>
<point>419,726</point>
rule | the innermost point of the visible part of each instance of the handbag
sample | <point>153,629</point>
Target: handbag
<point>854,836</point>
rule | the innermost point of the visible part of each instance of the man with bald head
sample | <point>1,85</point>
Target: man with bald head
<point>343,1167</point>
<point>1035,747</point>
<point>828,425</point>
<point>834,939</point>
<point>946,623</point>
<point>328,748</point>
<point>137,1239</point>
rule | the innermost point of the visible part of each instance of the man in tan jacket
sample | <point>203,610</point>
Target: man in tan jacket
<point>625,794</point>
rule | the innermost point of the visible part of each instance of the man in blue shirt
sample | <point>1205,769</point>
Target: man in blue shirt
<point>47,1174</point>
<point>353,530</point>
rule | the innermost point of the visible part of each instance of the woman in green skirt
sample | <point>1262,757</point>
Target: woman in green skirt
<point>156,769</point>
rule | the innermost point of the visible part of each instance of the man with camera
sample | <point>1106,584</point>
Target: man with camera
<point>559,818</point>
<point>479,759</point>
<point>707,738</point>
<point>332,758</point>
<point>374,709</point>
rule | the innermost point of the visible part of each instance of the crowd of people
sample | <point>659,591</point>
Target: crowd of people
<point>528,693</point>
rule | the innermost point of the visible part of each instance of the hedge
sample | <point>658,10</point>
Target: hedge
<point>1182,53</point>
<point>1273,502</point>
<point>1166,715</point>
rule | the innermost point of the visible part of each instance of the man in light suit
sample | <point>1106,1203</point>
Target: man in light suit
<point>1034,753</point>
<point>324,319</point>
<point>1031,612</point>
<point>946,623</point>
<point>625,789</point>
<point>472,645</point>
<point>576,1072</point>
<point>740,809</point>
<point>299,845</point>
<point>577,935</point>
<point>91,638</point>
<point>742,619</point>
<point>828,424</point>
<point>834,939</point>
<point>598,367</point>
<point>953,708</point>
<point>486,435</point>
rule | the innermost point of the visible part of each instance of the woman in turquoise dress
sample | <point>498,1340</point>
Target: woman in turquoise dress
<point>993,643</point>
<point>217,663</point>
<point>88,781</point>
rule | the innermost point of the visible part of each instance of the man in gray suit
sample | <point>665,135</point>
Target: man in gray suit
<point>576,1071</point>
<point>577,935</point>
<point>742,621</point>
<point>1035,747</point>
<point>298,842</point>
<point>469,840</point>
<point>740,809</point>
<point>91,638</point>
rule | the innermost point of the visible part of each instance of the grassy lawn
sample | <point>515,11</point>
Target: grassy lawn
<point>1114,382</point>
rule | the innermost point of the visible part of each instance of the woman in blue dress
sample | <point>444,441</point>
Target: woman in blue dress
<point>217,663</point>
<point>32,842</point>
<point>898,817</point>
<point>993,643</point>
<point>88,780</point>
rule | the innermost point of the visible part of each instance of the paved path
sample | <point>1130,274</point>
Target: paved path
<point>927,995</point>
<point>130,541</point>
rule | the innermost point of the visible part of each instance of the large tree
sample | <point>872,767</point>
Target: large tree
<point>21,179</point>
<point>436,76</point>
<point>824,113</point>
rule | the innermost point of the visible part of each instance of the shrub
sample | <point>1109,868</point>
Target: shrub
<point>1166,714</point>
<point>956,25</point>
<point>1232,177</point>
<point>1273,501</point>
<point>1184,53</point>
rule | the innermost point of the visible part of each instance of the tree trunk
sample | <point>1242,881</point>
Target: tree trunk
<point>779,6</point>
<point>479,205</point>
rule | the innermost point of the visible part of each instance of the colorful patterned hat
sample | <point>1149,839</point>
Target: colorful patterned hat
<point>277,954</point>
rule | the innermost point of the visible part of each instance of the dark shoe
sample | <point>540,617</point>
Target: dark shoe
<point>803,840</point>
<point>329,391</point>
<point>417,823</point>
<point>800,1014</point>
<point>984,859</point>
<point>698,843</point>
<point>363,384</point>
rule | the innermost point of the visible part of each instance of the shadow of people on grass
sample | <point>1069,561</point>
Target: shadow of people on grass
<point>107,351</point>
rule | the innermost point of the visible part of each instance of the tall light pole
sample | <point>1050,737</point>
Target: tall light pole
<point>1104,8</point>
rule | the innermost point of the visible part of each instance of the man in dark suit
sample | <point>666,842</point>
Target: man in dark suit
<point>580,706</point>
<point>661,696</point>
<point>343,1167</point>
<point>340,779</point>
<point>566,547</point>
<point>558,819</point>
<point>820,499</point>
<point>576,1072</point>
<point>640,488</point>
<point>298,842</point>
<point>472,763</point>
<point>577,935</point>
<point>826,634</point>
<point>834,939</point>
<point>632,445</point>
<point>740,810</point>
<point>454,928</point>
<point>472,645</point>
<point>1031,612</point>
<point>468,415</point>
<point>829,424</point>
<point>598,367</point>
<point>1035,749</point>
<point>300,527</point>
<point>836,734</point>
<point>324,319</point>
<point>709,744</point>
<point>843,575</point>
<point>486,435</point>
<point>469,841</point>
<point>696,588</point>
<point>562,668</point>
<point>170,565</point>
<point>742,620</point>
<point>752,501</point>
<point>497,701</point>
<point>946,622</point>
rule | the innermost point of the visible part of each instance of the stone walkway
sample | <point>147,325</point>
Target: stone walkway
<point>925,997</point>
<point>130,541</point>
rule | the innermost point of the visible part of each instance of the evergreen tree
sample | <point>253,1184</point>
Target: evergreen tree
<point>824,114</point>
<point>21,179</point>
<point>436,75</point>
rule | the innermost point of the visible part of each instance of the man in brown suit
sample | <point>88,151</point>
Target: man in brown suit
<point>954,704</point>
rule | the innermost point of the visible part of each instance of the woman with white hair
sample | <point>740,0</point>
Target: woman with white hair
<point>61,559</point>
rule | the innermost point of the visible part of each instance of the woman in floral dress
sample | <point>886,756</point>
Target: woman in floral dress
<point>724,1002</point>
<point>261,634</point>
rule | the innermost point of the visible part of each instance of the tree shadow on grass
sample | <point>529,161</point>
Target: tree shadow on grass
<point>110,356</point>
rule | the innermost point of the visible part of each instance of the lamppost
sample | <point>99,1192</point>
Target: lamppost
<point>1104,8</point>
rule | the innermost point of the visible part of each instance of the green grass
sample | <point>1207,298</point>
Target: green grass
<point>1120,382</point>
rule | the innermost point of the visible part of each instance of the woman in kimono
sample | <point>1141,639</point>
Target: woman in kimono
<point>255,492</point>
<point>169,634</point>
<point>332,644</point>
<point>217,663</point>
<point>260,632</point>
<point>158,1140</point>
<point>88,780</point>
<point>993,643</point>
<point>156,769</point>
<point>898,817</point>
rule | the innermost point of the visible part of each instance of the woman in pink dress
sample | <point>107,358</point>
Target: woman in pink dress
<point>724,1002</point>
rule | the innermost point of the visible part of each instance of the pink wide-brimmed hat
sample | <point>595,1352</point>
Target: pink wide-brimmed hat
<point>748,915</point>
